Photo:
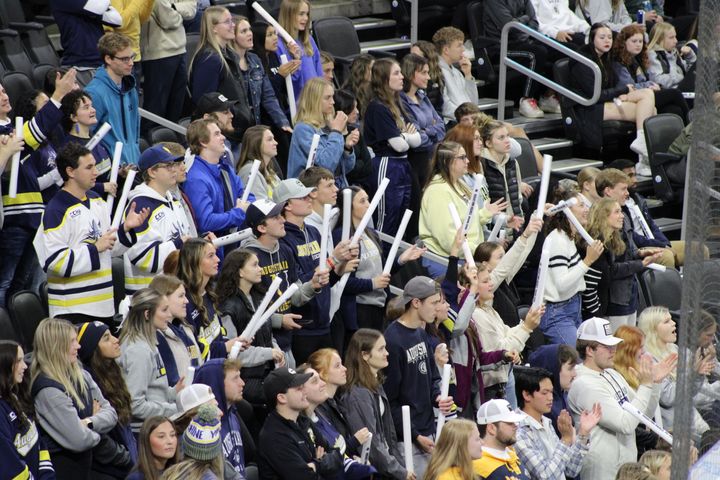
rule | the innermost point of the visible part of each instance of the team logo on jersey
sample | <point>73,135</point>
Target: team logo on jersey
<point>94,232</point>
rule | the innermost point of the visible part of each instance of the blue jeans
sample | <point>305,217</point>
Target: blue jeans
<point>561,321</point>
<point>434,269</point>
<point>510,394</point>
<point>19,267</point>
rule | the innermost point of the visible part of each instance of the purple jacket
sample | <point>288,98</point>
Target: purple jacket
<point>310,66</point>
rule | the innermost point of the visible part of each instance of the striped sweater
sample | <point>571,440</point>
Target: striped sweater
<point>79,277</point>
<point>566,269</point>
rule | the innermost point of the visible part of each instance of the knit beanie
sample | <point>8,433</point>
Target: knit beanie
<point>89,335</point>
<point>201,439</point>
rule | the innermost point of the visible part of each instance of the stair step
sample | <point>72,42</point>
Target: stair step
<point>572,165</point>
<point>492,104</point>
<point>668,224</point>
<point>370,23</point>
<point>388,45</point>
<point>551,121</point>
<point>349,8</point>
<point>544,144</point>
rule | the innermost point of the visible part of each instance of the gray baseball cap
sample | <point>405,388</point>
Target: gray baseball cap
<point>419,287</point>
<point>289,189</point>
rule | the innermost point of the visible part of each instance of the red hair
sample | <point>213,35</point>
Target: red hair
<point>464,135</point>
<point>621,55</point>
<point>628,351</point>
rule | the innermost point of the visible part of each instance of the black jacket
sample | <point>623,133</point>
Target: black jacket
<point>504,182</point>
<point>496,13</point>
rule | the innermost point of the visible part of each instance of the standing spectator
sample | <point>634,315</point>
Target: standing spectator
<point>81,25</point>
<point>157,449</point>
<point>141,361</point>
<point>165,229</point>
<point>610,13</point>
<point>436,84</point>
<point>390,136</point>
<point>498,426</point>
<point>163,45</point>
<point>545,454</point>
<point>316,116</point>
<point>412,378</point>
<point>23,453</point>
<point>597,382</point>
<point>294,17</point>
<point>75,244</point>
<point>359,80</point>
<point>71,410</point>
<point>459,85</point>
<point>181,168</point>
<point>327,61</point>
<point>134,13</point>
<point>116,98</point>
<point>286,448</point>
<point>261,95</point>
<point>99,350</point>
<point>346,102</point>
<point>215,67</point>
<point>213,188</point>
<point>216,106</point>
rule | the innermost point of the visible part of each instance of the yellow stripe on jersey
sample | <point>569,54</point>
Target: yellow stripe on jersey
<point>55,302</point>
<point>81,278</point>
<point>22,199</point>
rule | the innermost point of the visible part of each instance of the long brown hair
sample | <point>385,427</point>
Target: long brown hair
<point>431,54</point>
<point>146,459</point>
<point>380,87</point>
<point>465,136</point>
<point>189,273</point>
<point>451,451</point>
<point>167,285</point>
<point>600,229</point>
<point>620,53</point>
<point>16,395</point>
<point>228,284</point>
<point>357,82</point>
<point>358,370</point>
<point>109,378</point>
<point>252,150</point>
<point>440,165</point>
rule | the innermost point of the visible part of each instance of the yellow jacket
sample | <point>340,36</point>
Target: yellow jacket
<point>437,229</point>
<point>134,13</point>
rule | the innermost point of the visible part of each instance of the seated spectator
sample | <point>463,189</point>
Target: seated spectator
<point>259,144</point>
<point>202,447</point>
<point>261,95</point>
<point>287,449</point>
<point>390,135</point>
<point>165,229</point>
<point>346,102</point>
<point>176,343</point>
<point>611,13</point>
<point>445,186</point>
<point>217,202</point>
<point>358,82</point>
<point>99,350</point>
<point>294,17</point>
<point>164,64</point>
<point>79,117</point>
<point>669,66</point>
<point>498,426</point>
<point>630,61</point>
<point>328,67</point>
<point>659,462</point>
<point>455,452</point>
<point>586,182</point>
<point>556,20</point>
<point>686,24</point>
<point>316,116</point>
<point>616,102</point>
<point>215,67</point>
<point>81,25</point>
<point>24,453</point>
<point>436,83</point>
<point>71,411</point>
<point>140,359</point>
<point>496,13</point>
<point>560,360</point>
<point>116,97</point>
<point>223,377</point>
<point>634,471</point>
<point>157,449</point>
<point>544,453</point>
<point>459,84</point>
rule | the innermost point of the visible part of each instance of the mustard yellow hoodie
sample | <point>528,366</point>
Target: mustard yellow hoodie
<point>134,13</point>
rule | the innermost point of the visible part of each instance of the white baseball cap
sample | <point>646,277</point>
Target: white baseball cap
<point>597,329</point>
<point>497,410</point>
<point>190,397</point>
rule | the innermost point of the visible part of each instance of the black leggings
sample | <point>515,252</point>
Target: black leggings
<point>670,100</point>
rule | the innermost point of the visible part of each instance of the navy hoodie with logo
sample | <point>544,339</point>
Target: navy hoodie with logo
<point>237,443</point>
<point>21,452</point>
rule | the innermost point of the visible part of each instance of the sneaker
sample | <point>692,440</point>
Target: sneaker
<point>550,104</point>
<point>529,108</point>
<point>638,145</point>
<point>642,168</point>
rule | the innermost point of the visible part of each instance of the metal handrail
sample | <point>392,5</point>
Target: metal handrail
<point>163,122</point>
<point>505,62</point>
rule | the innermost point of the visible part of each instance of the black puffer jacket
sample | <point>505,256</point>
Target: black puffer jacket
<point>503,181</point>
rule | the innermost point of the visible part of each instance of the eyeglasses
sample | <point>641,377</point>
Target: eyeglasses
<point>165,165</point>
<point>461,157</point>
<point>129,59</point>
<point>229,21</point>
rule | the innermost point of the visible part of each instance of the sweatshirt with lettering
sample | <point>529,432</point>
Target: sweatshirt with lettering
<point>411,377</point>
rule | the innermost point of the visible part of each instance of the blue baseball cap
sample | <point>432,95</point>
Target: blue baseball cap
<point>155,155</point>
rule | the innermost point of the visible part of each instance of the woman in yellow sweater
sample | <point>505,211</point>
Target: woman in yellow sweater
<point>437,231</point>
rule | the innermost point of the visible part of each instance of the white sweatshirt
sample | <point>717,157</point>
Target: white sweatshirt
<point>554,16</point>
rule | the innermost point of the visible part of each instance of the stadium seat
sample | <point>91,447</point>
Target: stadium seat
<point>660,131</point>
<point>118,277</point>
<point>39,73</point>
<point>26,312</point>
<point>617,134</point>
<point>526,161</point>
<point>43,294</point>
<point>7,331</point>
<point>13,54</point>
<point>16,83</point>
<point>662,288</point>
<point>37,44</point>
<point>193,40</point>
<point>164,134</point>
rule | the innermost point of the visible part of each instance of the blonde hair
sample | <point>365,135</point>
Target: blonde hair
<point>451,451</point>
<point>648,322</point>
<point>310,103</point>
<point>287,18</point>
<point>211,17</point>
<point>598,226</point>
<point>659,32</point>
<point>51,359</point>
<point>139,323</point>
<point>654,459</point>
<point>587,174</point>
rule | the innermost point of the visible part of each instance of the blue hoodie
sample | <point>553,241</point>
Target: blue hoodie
<point>117,105</point>
<point>231,427</point>
<point>546,357</point>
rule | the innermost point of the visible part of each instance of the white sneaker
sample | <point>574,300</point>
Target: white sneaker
<point>529,108</point>
<point>638,145</point>
<point>550,104</point>
<point>642,168</point>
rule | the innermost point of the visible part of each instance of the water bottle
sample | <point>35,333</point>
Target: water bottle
<point>647,6</point>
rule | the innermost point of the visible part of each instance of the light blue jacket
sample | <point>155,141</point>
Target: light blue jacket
<point>330,153</point>
<point>118,106</point>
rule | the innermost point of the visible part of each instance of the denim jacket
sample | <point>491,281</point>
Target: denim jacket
<point>262,93</point>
